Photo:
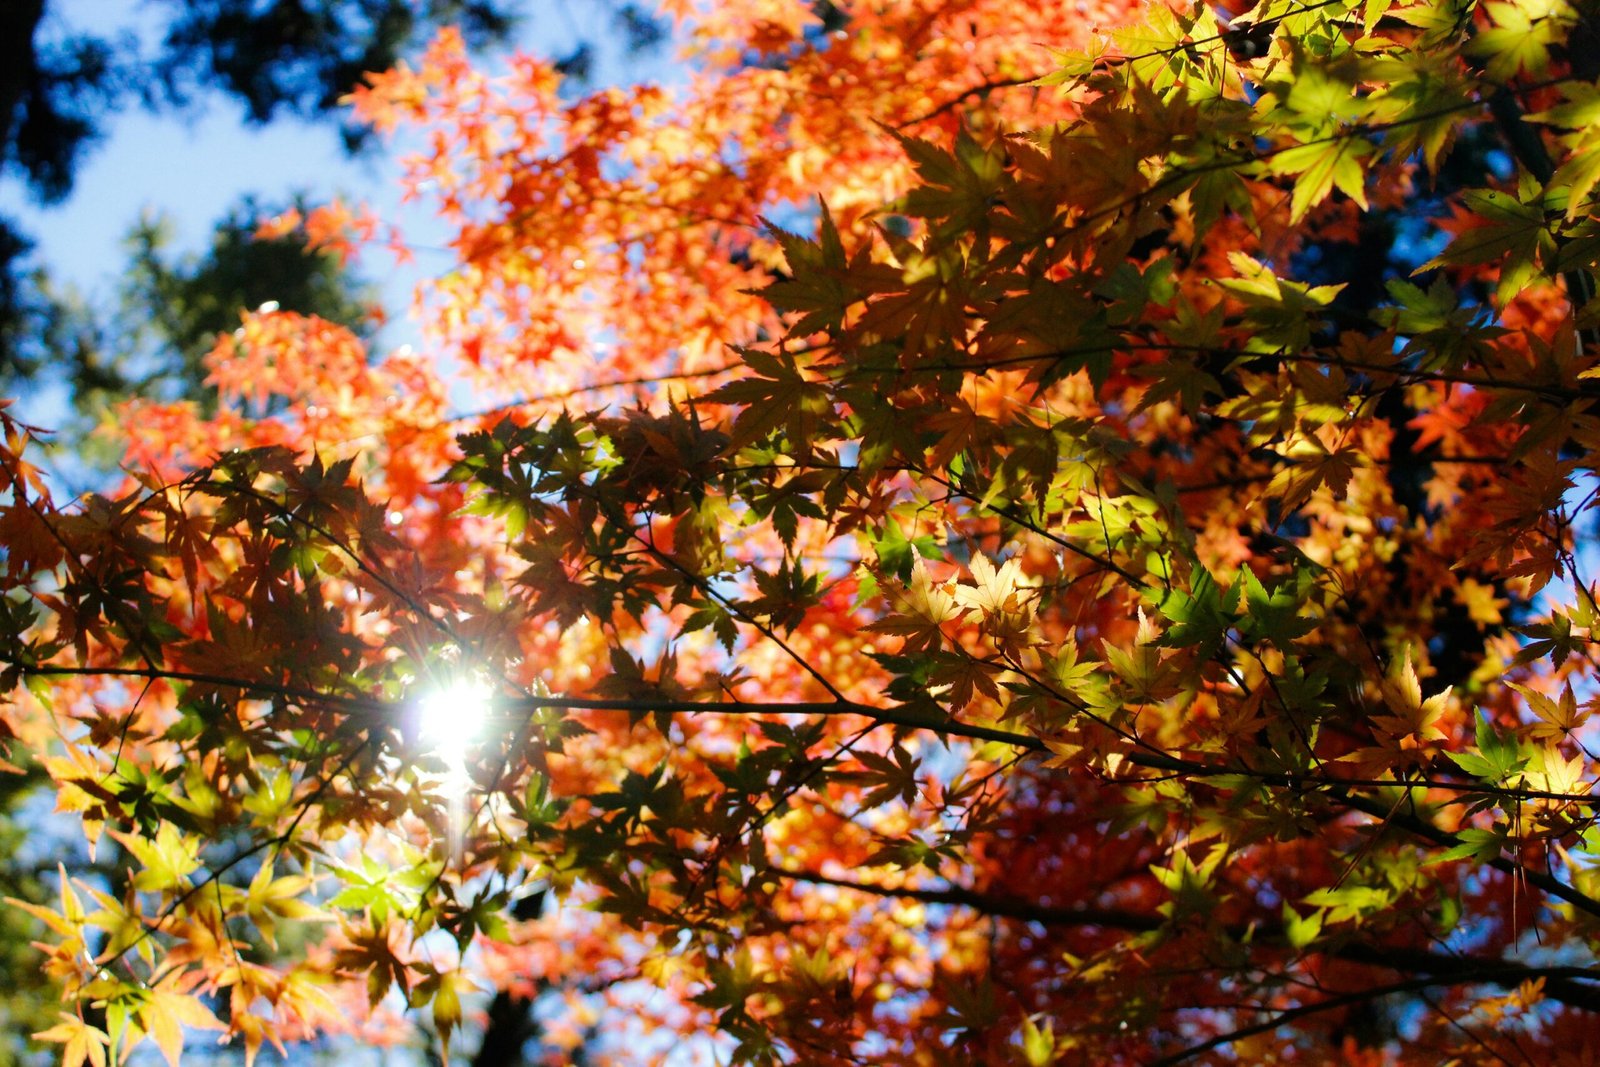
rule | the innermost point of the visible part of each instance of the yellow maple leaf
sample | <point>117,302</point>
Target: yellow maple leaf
<point>1483,607</point>
<point>1414,719</point>
<point>1403,736</point>
<point>1325,457</point>
<point>922,607</point>
<point>80,1042</point>
<point>168,1010</point>
<point>1006,609</point>
<point>1556,718</point>
<point>926,598</point>
<point>1552,772</point>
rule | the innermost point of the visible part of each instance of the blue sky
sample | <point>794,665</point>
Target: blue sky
<point>193,166</point>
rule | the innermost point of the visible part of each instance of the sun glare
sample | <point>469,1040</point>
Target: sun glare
<point>452,720</point>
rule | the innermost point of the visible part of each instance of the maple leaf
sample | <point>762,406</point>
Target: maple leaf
<point>781,397</point>
<point>1581,171</point>
<point>81,1043</point>
<point>1277,615</point>
<point>1495,226</point>
<point>31,544</point>
<point>1314,464</point>
<point>1412,728</point>
<point>1147,670</point>
<point>1494,758</point>
<point>1556,719</point>
<point>1521,38</point>
<point>956,679</point>
<point>1482,605</point>
<point>443,991</point>
<point>167,861</point>
<point>370,951</point>
<point>1413,716</point>
<point>1320,167</point>
<point>1551,772</point>
<point>268,898</point>
<point>957,429</point>
<point>122,923</point>
<point>821,286</point>
<point>893,775</point>
<point>255,1032</point>
<point>1004,606</point>
<point>955,186</point>
<point>1202,615</point>
<point>69,920</point>
<point>169,1008</point>
<point>925,606</point>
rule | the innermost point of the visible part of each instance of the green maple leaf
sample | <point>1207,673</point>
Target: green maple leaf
<point>1475,844</point>
<point>1203,615</point>
<point>1322,166</point>
<point>1497,757</point>
<point>717,617</point>
<point>167,861</point>
<point>1518,42</point>
<point>1507,228</point>
<point>1275,615</point>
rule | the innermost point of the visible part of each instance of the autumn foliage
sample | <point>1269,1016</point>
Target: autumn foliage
<point>989,533</point>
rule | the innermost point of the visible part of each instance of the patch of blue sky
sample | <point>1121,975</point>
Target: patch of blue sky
<point>195,165</point>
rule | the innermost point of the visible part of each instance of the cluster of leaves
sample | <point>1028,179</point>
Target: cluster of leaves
<point>1059,619</point>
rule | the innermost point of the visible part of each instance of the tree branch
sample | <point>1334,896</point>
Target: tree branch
<point>1565,988</point>
<point>1490,975</point>
<point>1339,790</point>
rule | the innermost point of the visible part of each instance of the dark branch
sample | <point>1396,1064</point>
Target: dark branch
<point>1568,988</point>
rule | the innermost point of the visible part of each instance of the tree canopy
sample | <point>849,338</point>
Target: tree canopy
<point>964,532</point>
